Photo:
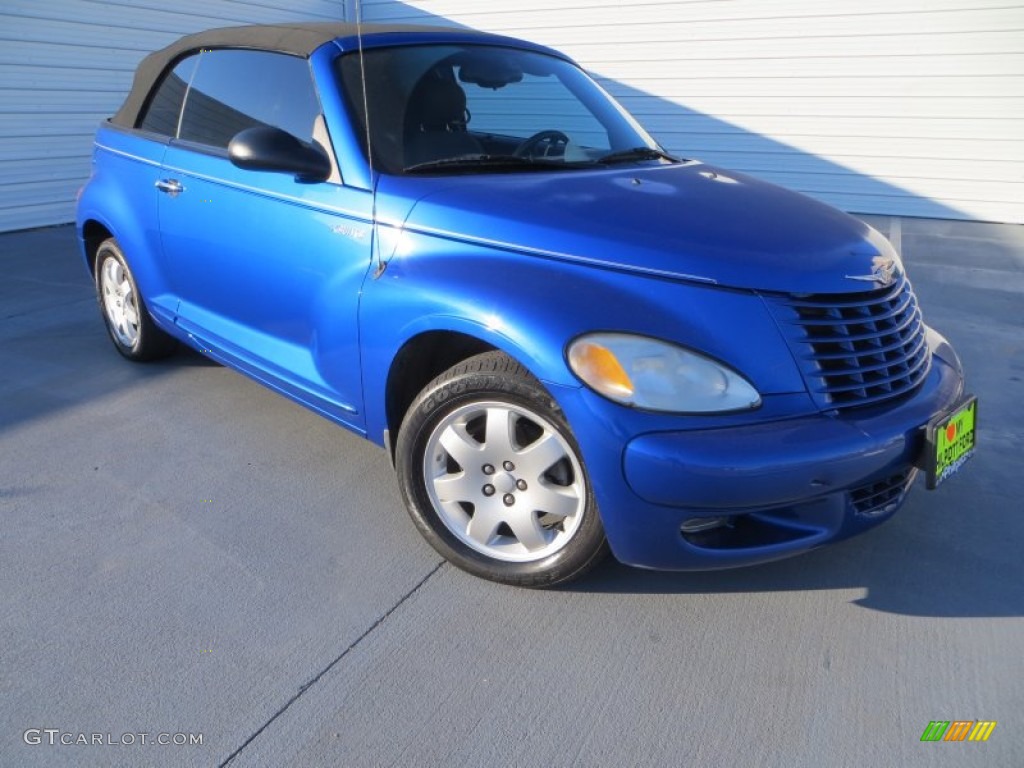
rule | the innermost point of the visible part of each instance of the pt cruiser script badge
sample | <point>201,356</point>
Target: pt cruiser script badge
<point>885,272</point>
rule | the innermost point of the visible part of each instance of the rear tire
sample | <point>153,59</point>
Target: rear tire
<point>493,478</point>
<point>124,310</point>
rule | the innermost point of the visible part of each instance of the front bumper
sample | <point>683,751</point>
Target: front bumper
<point>781,488</point>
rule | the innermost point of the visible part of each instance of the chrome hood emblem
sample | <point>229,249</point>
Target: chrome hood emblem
<point>885,271</point>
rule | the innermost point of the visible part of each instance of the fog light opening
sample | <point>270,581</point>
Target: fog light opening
<point>699,524</point>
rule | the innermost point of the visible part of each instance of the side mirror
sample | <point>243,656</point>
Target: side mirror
<point>265,148</point>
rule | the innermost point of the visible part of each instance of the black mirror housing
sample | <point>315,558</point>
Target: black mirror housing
<point>265,148</point>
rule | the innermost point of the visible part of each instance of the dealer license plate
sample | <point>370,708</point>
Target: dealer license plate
<point>950,442</point>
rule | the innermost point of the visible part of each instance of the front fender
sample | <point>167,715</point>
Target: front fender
<point>531,307</point>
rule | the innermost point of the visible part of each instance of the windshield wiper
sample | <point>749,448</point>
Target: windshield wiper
<point>636,153</point>
<point>486,162</point>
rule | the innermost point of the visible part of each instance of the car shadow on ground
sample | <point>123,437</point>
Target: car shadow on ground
<point>53,334</point>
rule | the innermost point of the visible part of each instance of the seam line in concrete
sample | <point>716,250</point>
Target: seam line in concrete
<point>313,681</point>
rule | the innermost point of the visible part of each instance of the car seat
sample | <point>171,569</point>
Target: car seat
<point>435,121</point>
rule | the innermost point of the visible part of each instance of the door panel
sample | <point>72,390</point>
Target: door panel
<point>267,269</point>
<point>268,272</point>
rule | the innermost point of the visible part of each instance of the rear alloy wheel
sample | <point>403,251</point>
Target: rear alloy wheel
<point>493,477</point>
<point>132,330</point>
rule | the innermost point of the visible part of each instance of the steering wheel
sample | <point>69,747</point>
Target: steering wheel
<point>550,136</point>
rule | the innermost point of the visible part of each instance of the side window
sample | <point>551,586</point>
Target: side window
<point>164,108</point>
<point>234,90</point>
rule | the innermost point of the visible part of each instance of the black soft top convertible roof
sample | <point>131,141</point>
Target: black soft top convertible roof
<point>299,38</point>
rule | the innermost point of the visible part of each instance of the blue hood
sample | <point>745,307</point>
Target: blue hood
<point>691,221</point>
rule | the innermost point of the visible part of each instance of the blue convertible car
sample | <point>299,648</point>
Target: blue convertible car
<point>567,339</point>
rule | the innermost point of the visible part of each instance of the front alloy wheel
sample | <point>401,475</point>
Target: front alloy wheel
<point>493,478</point>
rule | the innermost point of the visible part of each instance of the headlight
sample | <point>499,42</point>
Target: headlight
<point>658,376</point>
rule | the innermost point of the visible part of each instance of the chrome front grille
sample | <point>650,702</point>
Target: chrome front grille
<point>856,349</point>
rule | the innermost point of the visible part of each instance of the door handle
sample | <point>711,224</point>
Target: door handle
<point>172,187</point>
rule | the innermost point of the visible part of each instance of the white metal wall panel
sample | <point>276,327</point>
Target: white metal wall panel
<point>67,64</point>
<point>908,107</point>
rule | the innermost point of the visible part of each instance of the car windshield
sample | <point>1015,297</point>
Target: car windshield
<point>445,109</point>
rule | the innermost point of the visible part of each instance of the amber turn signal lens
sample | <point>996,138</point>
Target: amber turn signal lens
<point>599,367</point>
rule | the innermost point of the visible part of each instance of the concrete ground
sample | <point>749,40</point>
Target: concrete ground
<point>184,552</point>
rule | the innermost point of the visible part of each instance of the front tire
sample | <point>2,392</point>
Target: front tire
<point>493,478</point>
<point>124,311</point>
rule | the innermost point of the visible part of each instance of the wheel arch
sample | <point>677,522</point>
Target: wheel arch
<point>420,360</point>
<point>93,234</point>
